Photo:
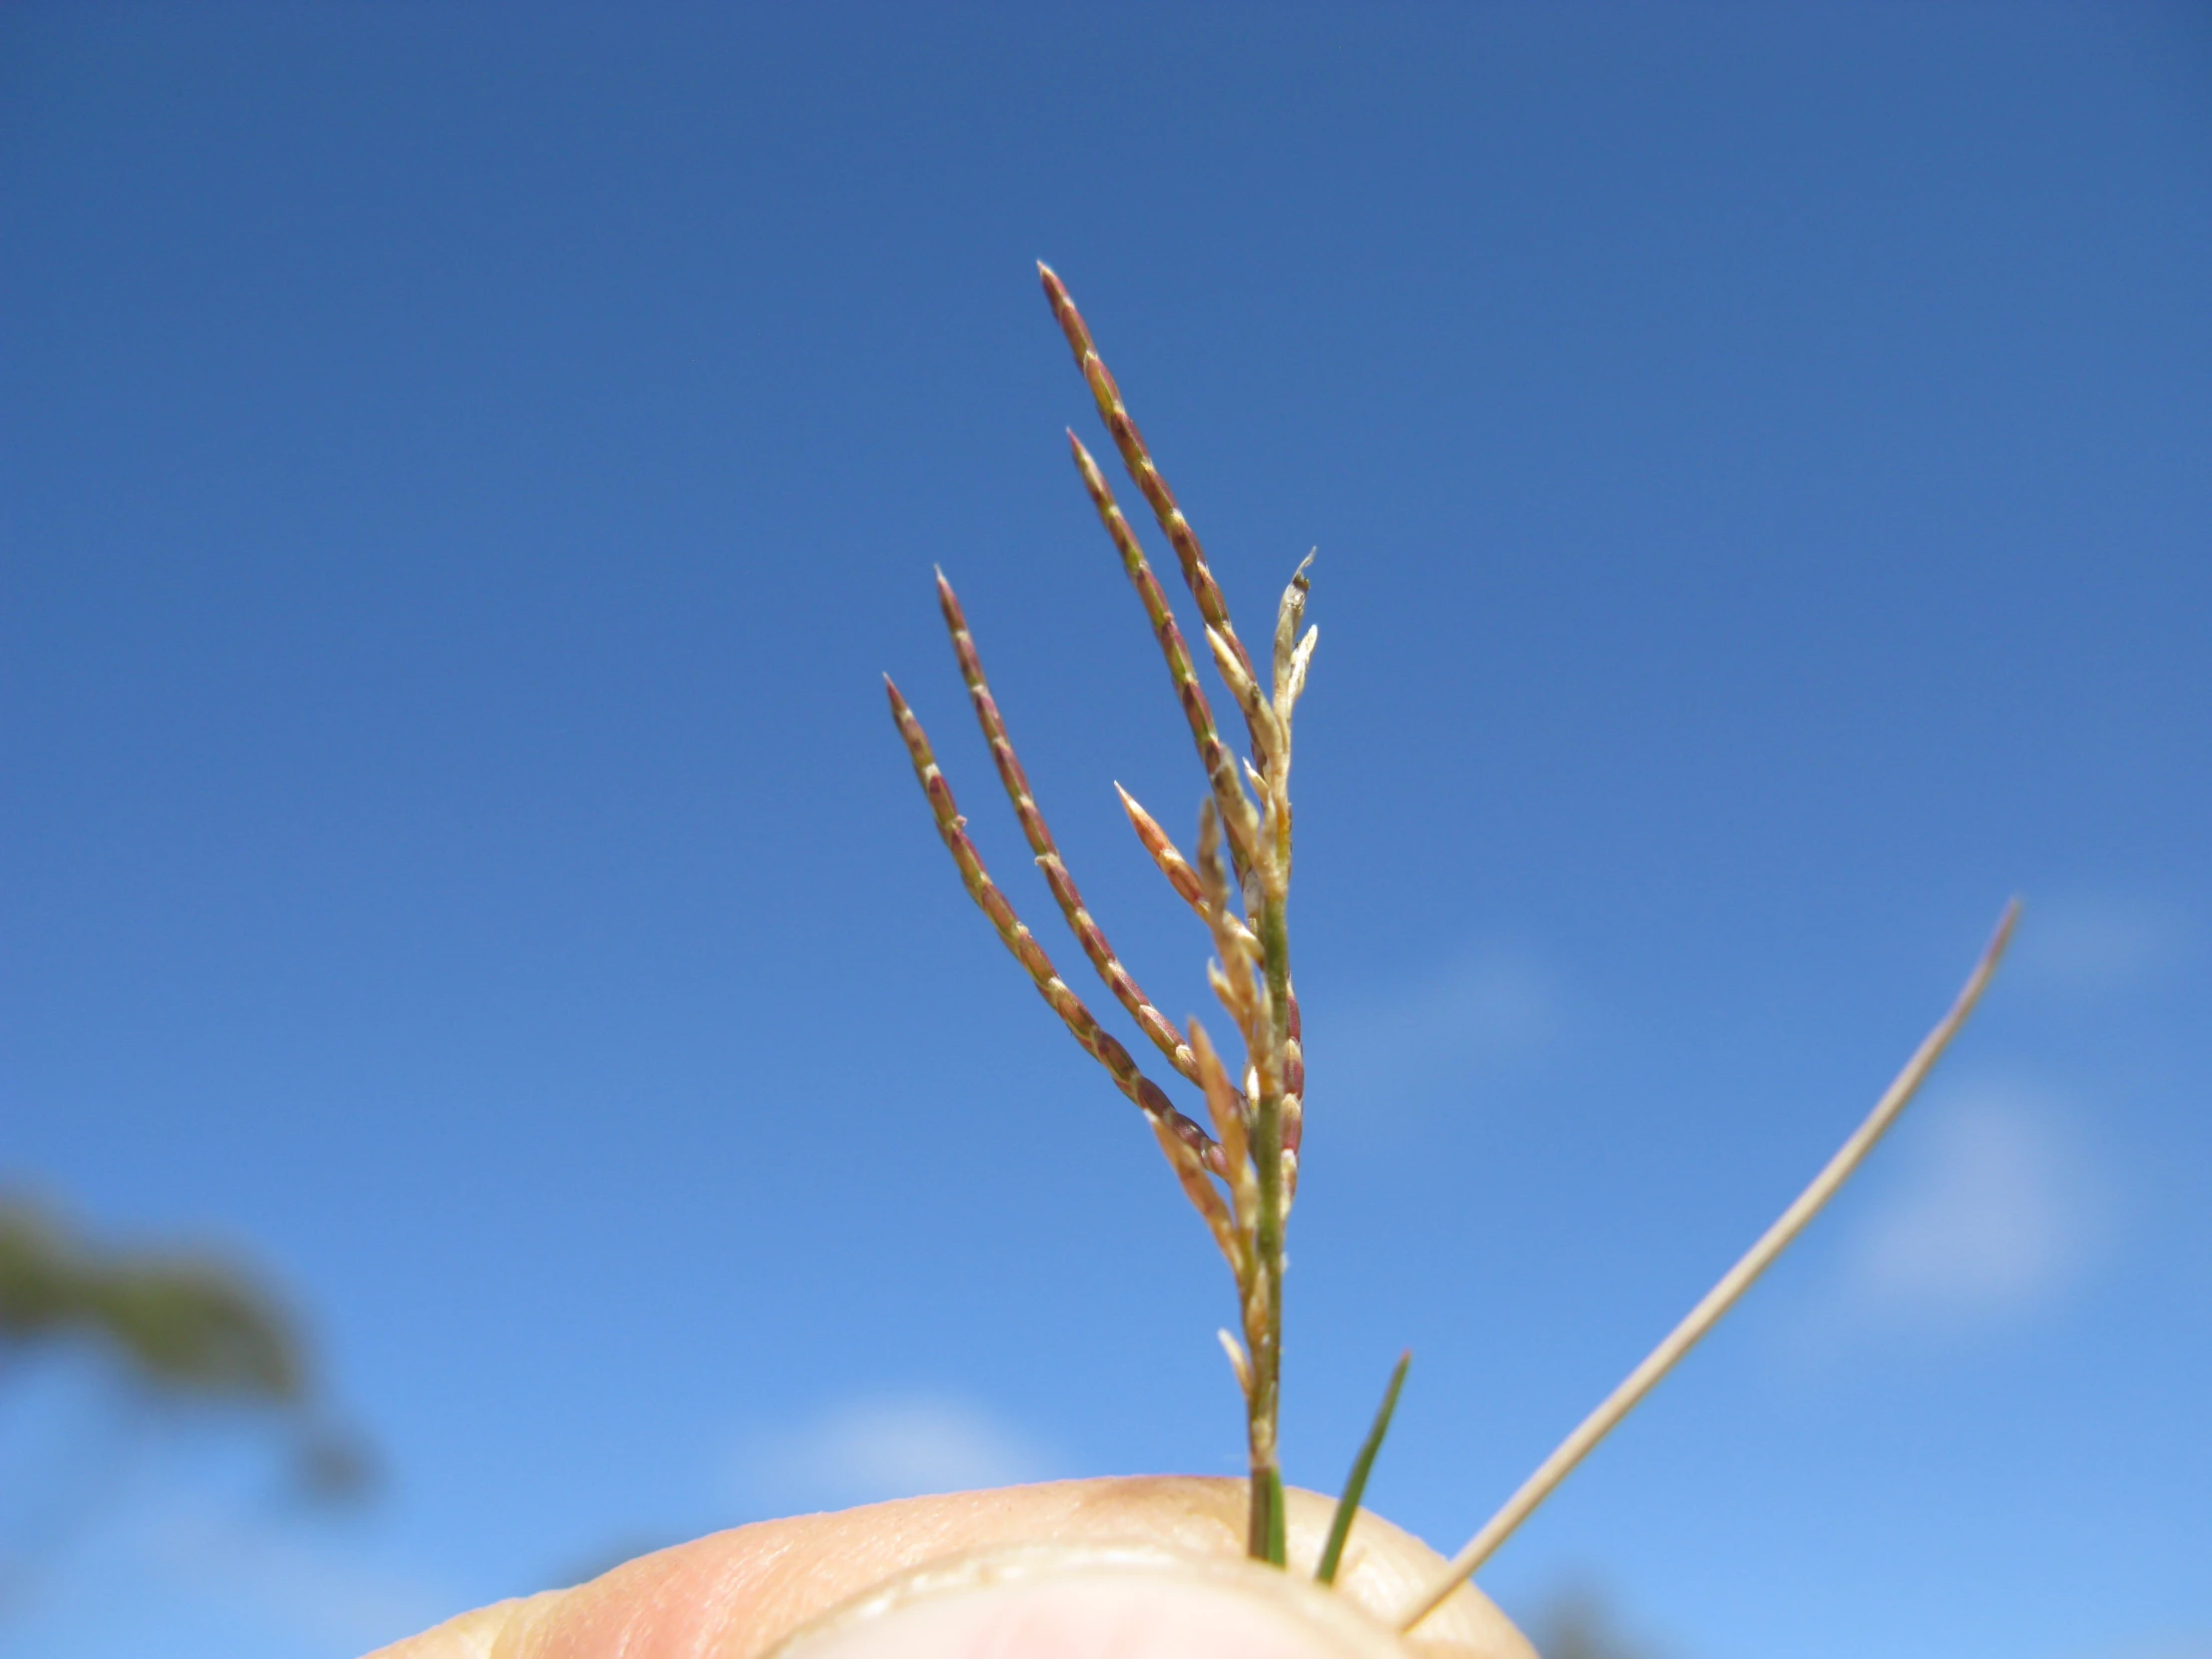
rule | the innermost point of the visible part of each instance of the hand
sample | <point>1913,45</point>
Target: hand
<point>1079,1569</point>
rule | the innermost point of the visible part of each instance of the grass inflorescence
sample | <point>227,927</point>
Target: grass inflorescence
<point>1242,1175</point>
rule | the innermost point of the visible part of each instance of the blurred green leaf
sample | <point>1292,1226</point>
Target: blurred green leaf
<point>183,1324</point>
<point>334,1463</point>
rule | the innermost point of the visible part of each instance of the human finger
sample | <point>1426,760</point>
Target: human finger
<point>738,1594</point>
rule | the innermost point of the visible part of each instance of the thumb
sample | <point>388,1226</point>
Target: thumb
<point>1144,1556</point>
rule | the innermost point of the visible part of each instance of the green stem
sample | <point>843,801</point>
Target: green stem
<point>1265,1541</point>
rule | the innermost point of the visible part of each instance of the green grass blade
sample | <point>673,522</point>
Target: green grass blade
<point>1355,1485</point>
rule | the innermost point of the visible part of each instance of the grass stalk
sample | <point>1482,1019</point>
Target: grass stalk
<point>1724,1294</point>
<point>1231,658</point>
<point>1243,1178</point>
<point>1252,974</point>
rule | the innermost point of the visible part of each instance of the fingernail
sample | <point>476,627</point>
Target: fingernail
<point>1093,1602</point>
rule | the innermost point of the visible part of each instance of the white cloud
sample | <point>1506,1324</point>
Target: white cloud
<point>894,1446</point>
<point>1994,1215</point>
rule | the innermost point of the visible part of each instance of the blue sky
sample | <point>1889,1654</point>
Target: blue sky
<point>464,470</point>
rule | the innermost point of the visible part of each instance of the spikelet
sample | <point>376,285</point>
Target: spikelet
<point>1212,609</point>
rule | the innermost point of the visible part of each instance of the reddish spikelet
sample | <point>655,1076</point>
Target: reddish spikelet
<point>1267,731</point>
<point>1097,1042</point>
<point>1197,1182</point>
<point>1088,933</point>
<point>1213,754</point>
<point>1232,942</point>
<point>1173,865</point>
<point>1231,1113</point>
<point>1138,459</point>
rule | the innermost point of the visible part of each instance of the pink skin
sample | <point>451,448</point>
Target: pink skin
<point>1098,1569</point>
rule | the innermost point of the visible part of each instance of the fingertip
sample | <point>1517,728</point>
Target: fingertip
<point>1093,1602</point>
<point>495,1629</point>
